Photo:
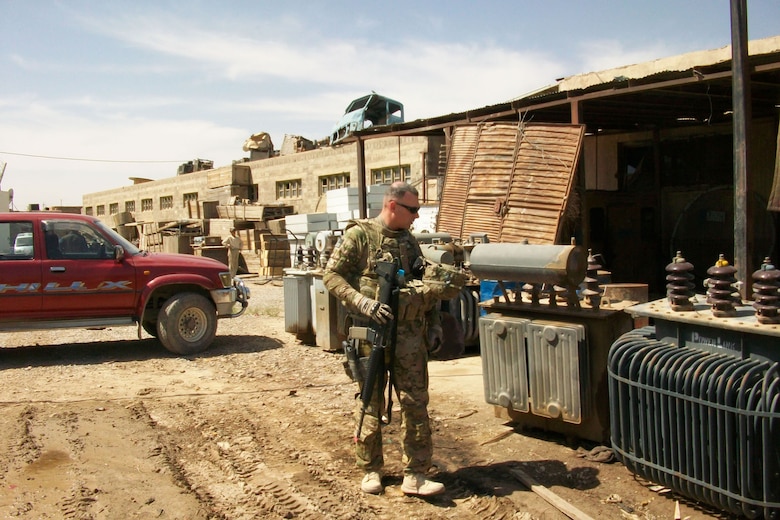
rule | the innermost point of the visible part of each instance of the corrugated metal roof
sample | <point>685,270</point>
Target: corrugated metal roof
<point>654,68</point>
<point>509,180</point>
<point>679,63</point>
<point>662,93</point>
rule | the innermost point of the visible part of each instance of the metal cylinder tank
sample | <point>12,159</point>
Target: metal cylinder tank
<point>557,264</point>
<point>436,254</point>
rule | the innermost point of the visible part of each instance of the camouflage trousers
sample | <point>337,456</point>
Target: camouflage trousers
<point>410,384</point>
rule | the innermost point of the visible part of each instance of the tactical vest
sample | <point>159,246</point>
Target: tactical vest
<point>384,244</point>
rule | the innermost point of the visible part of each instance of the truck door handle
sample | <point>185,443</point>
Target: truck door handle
<point>57,269</point>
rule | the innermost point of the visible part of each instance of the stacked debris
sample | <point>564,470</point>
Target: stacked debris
<point>265,249</point>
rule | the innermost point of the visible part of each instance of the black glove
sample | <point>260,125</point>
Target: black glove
<point>377,311</point>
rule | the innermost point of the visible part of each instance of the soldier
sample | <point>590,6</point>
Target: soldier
<point>350,276</point>
<point>233,245</point>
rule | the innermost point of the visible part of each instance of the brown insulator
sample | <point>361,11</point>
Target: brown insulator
<point>679,287</point>
<point>555,293</point>
<point>533,291</point>
<point>310,254</point>
<point>720,288</point>
<point>571,297</point>
<point>592,292</point>
<point>766,292</point>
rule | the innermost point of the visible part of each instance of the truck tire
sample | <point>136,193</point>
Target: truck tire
<point>150,327</point>
<point>187,323</point>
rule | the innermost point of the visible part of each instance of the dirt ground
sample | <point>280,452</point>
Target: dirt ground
<point>100,425</point>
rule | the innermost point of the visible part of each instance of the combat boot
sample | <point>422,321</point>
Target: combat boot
<point>372,483</point>
<point>417,484</point>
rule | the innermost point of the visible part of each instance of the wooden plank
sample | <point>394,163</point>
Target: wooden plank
<point>556,501</point>
<point>271,241</point>
<point>274,258</point>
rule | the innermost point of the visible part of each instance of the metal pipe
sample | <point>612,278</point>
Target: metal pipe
<point>741,100</point>
<point>555,264</point>
<point>360,149</point>
<point>437,255</point>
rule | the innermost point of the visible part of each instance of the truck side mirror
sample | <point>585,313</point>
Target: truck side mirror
<point>119,254</point>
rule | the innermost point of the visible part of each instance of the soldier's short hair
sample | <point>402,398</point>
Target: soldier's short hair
<point>397,190</point>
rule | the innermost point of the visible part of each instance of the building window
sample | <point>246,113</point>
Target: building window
<point>113,208</point>
<point>391,174</point>
<point>88,210</point>
<point>288,189</point>
<point>101,210</point>
<point>146,205</point>
<point>190,198</point>
<point>166,202</point>
<point>333,182</point>
<point>130,206</point>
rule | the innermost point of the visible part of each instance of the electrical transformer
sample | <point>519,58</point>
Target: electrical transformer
<point>544,344</point>
<point>695,398</point>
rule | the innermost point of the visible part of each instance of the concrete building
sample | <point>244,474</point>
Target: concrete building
<point>298,179</point>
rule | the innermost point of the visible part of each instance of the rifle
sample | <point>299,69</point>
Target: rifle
<point>380,336</point>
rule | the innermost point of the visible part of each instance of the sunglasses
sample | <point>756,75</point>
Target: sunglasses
<point>411,209</point>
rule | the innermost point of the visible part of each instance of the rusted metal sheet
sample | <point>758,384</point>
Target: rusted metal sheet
<point>511,181</point>
<point>459,163</point>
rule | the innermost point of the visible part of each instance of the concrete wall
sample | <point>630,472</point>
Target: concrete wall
<point>175,187</point>
<point>419,153</point>
<point>256,180</point>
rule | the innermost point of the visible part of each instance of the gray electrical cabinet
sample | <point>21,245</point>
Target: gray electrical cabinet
<point>297,302</point>
<point>326,315</point>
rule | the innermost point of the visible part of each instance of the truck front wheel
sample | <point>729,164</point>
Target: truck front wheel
<point>187,323</point>
<point>150,327</point>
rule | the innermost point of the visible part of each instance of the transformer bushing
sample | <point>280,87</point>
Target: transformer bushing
<point>720,288</point>
<point>766,292</point>
<point>592,292</point>
<point>679,289</point>
<point>533,291</point>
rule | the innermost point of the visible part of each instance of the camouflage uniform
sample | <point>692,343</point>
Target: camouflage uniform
<point>354,261</point>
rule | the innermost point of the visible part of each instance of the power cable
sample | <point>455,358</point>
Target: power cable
<point>83,159</point>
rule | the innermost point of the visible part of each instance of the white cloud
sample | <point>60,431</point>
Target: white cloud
<point>446,71</point>
<point>38,129</point>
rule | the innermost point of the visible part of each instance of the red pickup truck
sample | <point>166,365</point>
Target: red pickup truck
<point>60,270</point>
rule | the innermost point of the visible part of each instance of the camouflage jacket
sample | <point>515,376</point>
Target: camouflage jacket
<point>352,265</point>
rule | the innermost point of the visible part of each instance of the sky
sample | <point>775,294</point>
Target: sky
<point>95,92</point>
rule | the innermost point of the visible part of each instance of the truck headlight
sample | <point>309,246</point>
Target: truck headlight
<point>226,279</point>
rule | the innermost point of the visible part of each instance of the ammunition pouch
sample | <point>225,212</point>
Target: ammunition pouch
<point>352,362</point>
<point>356,370</point>
<point>414,301</point>
<point>356,352</point>
<point>444,281</point>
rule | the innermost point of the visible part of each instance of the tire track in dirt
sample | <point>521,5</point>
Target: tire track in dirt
<point>242,468</point>
<point>37,455</point>
<point>55,464</point>
<point>250,464</point>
